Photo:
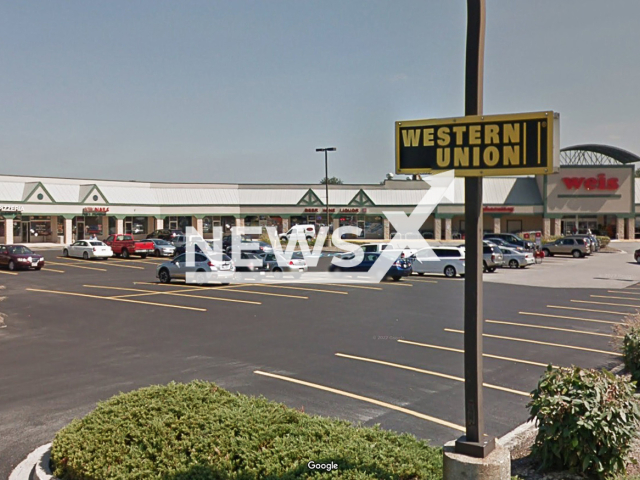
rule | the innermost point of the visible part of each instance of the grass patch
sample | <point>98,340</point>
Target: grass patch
<point>198,431</point>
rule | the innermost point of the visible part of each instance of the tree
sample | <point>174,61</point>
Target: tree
<point>332,181</point>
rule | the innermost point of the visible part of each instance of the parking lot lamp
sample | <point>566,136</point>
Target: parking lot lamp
<point>326,176</point>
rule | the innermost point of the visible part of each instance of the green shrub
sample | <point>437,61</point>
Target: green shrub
<point>604,240</point>
<point>587,420</point>
<point>631,351</point>
<point>198,431</point>
<point>550,239</point>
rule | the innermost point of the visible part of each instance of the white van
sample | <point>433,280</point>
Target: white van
<point>447,260</point>
<point>379,247</point>
<point>307,232</point>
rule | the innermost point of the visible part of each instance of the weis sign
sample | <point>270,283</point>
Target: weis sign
<point>599,182</point>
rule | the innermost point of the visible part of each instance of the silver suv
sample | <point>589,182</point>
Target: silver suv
<point>492,257</point>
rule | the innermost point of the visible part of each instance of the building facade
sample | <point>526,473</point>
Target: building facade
<point>597,193</point>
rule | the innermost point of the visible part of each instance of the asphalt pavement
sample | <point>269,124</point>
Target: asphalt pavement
<point>79,332</point>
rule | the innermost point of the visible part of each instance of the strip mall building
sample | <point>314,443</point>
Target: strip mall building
<point>595,188</point>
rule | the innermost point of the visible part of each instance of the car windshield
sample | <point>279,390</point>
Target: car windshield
<point>19,250</point>
<point>161,242</point>
<point>297,256</point>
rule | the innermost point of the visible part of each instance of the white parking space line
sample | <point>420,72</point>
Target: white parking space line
<point>8,273</point>
<point>154,292</point>
<point>578,309</point>
<point>548,315</point>
<point>545,327</point>
<point>373,401</point>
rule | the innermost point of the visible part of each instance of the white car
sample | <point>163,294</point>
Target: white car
<point>379,247</point>
<point>448,261</point>
<point>88,249</point>
<point>307,232</point>
<point>515,259</point>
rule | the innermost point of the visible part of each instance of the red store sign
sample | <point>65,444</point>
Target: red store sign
<point>333,210</point>
<point>497,209</point>
<point>599,182</point>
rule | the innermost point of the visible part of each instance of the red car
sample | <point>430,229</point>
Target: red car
<point>126,246</point>
<point>19,257</point>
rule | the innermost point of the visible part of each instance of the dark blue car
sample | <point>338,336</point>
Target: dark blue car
<point>400,268</point>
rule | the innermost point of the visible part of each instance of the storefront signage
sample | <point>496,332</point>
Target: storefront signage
<point>95,211</point>
<point>599,182</point>
<point>478,146</point>
<point>333,210</point>
<point>11,209</point>
<point>498,209</point>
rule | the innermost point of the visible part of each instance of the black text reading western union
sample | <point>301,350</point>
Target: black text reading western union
<point>460,145</point>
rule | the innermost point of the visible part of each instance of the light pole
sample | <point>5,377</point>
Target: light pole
<point>326,176</point>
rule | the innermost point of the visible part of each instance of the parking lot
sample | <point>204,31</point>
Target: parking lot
<point>78,332</point>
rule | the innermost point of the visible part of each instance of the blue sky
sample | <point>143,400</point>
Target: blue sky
<point>244,91</point>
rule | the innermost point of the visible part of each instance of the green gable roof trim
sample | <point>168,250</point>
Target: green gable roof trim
<point>35,189</point>
<point>310,199</point>
<point>95,188</point>
<point>361,200</point>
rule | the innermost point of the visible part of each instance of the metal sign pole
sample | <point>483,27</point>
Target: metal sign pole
<point>474,443</point>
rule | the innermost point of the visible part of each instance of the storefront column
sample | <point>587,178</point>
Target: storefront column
<point>151,224</point>
<point>557,227</point>
<point>619,228</point>
<point>119,226</point>
<point>200,225</point>
<point>631,228</point>
<point>496,224</point>
<point>447,229</point>
<point>159,223</point>
<point>68,231</point>
<point>8,230</point>
<point>387,229</point>
<point>239,221</point>
<point>285,224</point>
<point>437,229</point>
<point>54,229</point>
<point>105,226</point>
<point>546,227</point>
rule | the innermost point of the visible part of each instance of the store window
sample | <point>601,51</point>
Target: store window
<point>135,225</point>
<point>1,227</point>
<point>178,223</point>
<point>373,227</point>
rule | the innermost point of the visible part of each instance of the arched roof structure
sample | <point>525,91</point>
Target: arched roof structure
<point>594,154</point>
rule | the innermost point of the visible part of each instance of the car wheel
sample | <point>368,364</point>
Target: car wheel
<point>277,272</point>
<point>201,277</point>
<point>485,267</point>
<point>125,253</point>
<point>420,273</point>
<point>12,266</point>
<point>396,279</point>
<point>546,252</point>
<point>143,256</point>
<point>491,270</point>
<point>157,253</point>
<point>513,263</point>
<point>638,259</point>
<point>449,271</point>
<point>576,254</point>
<point>85,255</point>
<point>164,276</point>
<point>65,253</point>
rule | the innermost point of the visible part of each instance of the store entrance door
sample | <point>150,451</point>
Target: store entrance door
<point>80,230</point>
<point>25,233</point>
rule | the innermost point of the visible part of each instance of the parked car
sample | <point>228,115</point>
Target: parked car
<point>278,264</point>
<point>126,246</point>
<point>257,247</point>
<point>307,232</point>
<point>88,249</point>
<point>179,241</point>
<point>165,234</point>
<point>636,255</point>
<point>516,259</point>
<point>252,263</point>
<point>19,257</point>
<point>492,257</point>
<point>379,247</point>
<point>503,243</point>
<point>447,260</point>
<point>594,243</point>
<point>206,269</point>
<point>576,246</point>
<point>162,248</point>
<point>510,238</point>
<point>400,268</point>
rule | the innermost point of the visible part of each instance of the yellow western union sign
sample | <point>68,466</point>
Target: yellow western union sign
<point>478,146</point>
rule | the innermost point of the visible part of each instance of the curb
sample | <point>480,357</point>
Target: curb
<point>33,460</point>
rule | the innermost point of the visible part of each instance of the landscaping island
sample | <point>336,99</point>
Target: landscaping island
<point>199,431</point>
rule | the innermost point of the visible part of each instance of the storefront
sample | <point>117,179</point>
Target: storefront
<point>597,195</point>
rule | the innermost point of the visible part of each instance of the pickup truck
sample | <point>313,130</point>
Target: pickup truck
<point>126,246</point>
